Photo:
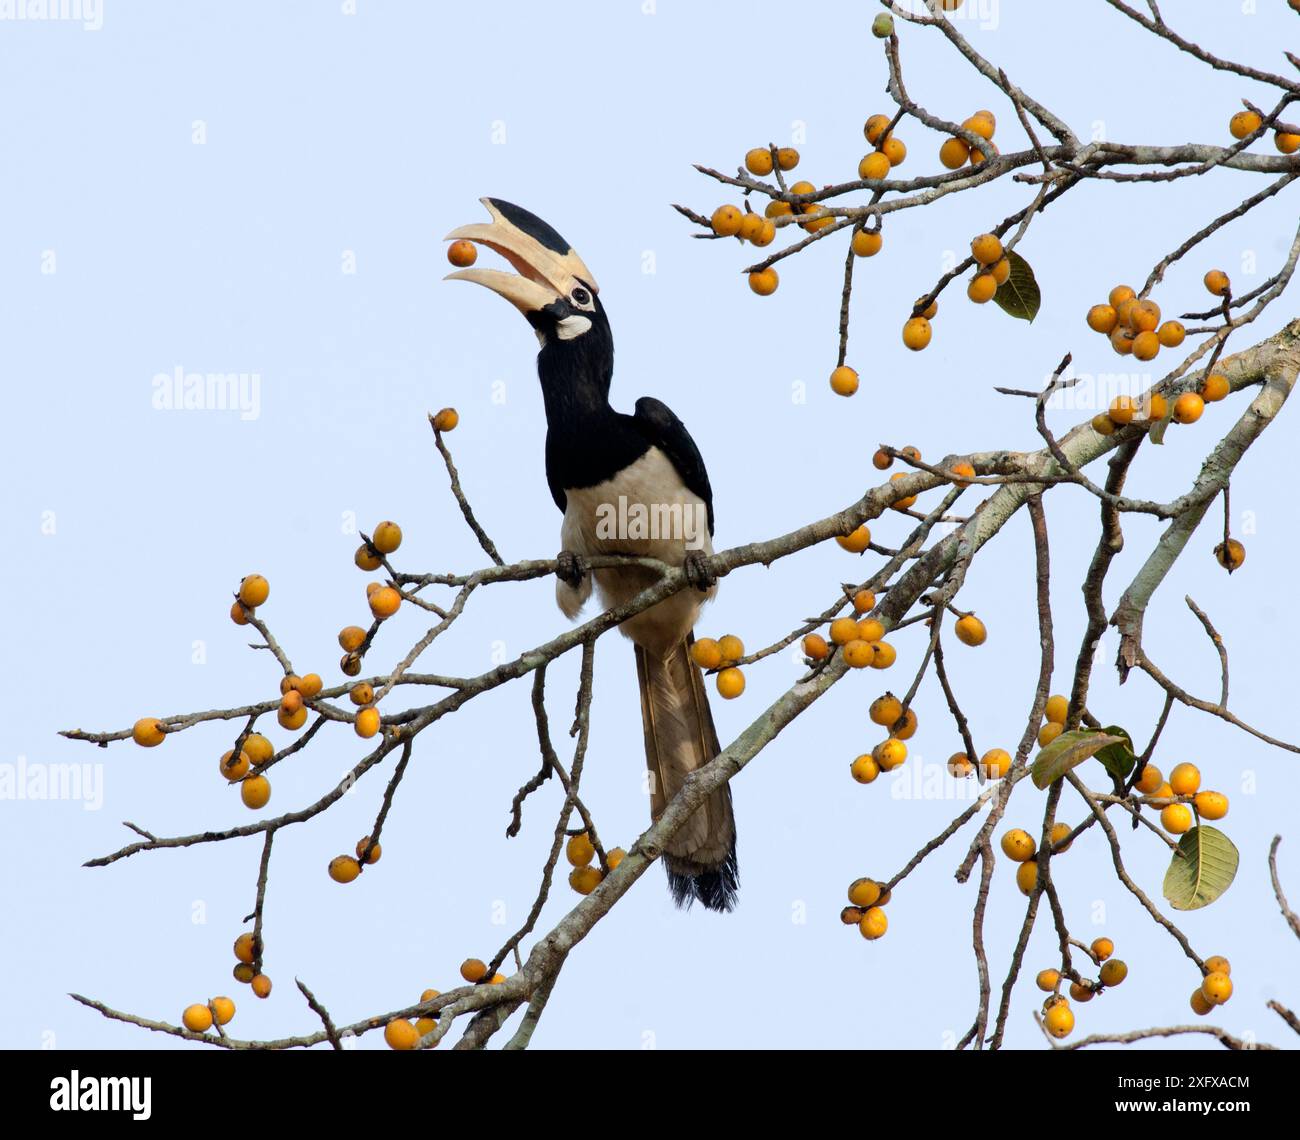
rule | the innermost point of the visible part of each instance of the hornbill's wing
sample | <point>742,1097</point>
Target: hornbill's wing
<point>665,431</point>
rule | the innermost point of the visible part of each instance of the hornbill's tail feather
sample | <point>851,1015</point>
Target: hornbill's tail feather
<point>679,739</point>
<point>716,888</point>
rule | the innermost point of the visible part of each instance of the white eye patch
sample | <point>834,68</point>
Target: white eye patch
<point>572,327</point>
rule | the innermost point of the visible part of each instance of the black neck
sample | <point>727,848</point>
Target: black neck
<point>587,442</point>
<point>575,385</point>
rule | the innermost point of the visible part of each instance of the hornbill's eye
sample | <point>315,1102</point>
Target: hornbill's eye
<point>581,296</point>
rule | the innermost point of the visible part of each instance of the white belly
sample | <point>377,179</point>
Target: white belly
<point>646,510</point>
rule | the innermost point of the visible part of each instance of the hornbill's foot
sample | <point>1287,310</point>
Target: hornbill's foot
<point>570,568</point>
<point>698,571</point>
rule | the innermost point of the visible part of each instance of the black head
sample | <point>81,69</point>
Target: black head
<point>551,286</point>
<point>554,290</point>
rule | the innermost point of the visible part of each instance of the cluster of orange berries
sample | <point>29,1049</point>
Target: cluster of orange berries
<point>402,1034</point>
<point>759,160</point>
<point>888,712</point>
<point>917,332</point>
<point>816,217</point>
<point>867,900</point>
<point>882,461</point>
<point>994,268</point>
<point>352,639</point>
<point>199,1018</point>
<point>956,152</point>
<point>721,655</point>
<point>1174,795</point>
<point>1058,1016</point>
<point>253,591</point>
<point>1021,848</point>
<point>295,691</point>
<point>1246,123</point>
<point>890,150</point>
<point>760,229</point>
<point>860,639</point>
<point>1215,987</point>
<point>362,694</point>
<point>995,763</point>
<point>1054,714</point>
<point>586,875</point>
<point>1152,407</point>
<point>384,601</point>
<point>345,868</point>
<point>254,788</point>
<point>730,221</point>
<point>1134,325</point>
<point>385,540</point>
<point>246,953</point>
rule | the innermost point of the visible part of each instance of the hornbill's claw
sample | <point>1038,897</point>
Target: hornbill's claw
<point>698,571</point>
<point>570,568</point>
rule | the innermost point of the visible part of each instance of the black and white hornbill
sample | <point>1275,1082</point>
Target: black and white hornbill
<point>601,465</point>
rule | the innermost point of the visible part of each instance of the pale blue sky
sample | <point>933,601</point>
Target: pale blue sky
<point>376,133</point>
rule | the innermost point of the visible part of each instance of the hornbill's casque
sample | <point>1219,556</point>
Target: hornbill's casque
<point>603,465</point>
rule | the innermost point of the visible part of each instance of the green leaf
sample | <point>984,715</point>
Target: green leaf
<point>1203,868</point>
<point>1020,296</point>
<point>1156,432</point>
<point>1068,751</point>
<point>1118,759</point>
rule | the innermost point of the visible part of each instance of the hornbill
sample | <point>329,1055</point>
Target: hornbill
<point>604,465</point>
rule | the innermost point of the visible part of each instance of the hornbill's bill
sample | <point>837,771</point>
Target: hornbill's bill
<point>609,473</point>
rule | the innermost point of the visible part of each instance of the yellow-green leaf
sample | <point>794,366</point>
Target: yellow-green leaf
<point>1068,751</point>
<point>1156,432</point>
<point>1118,759</point>
<point>1019,296</point>
<point>1202,868</point>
